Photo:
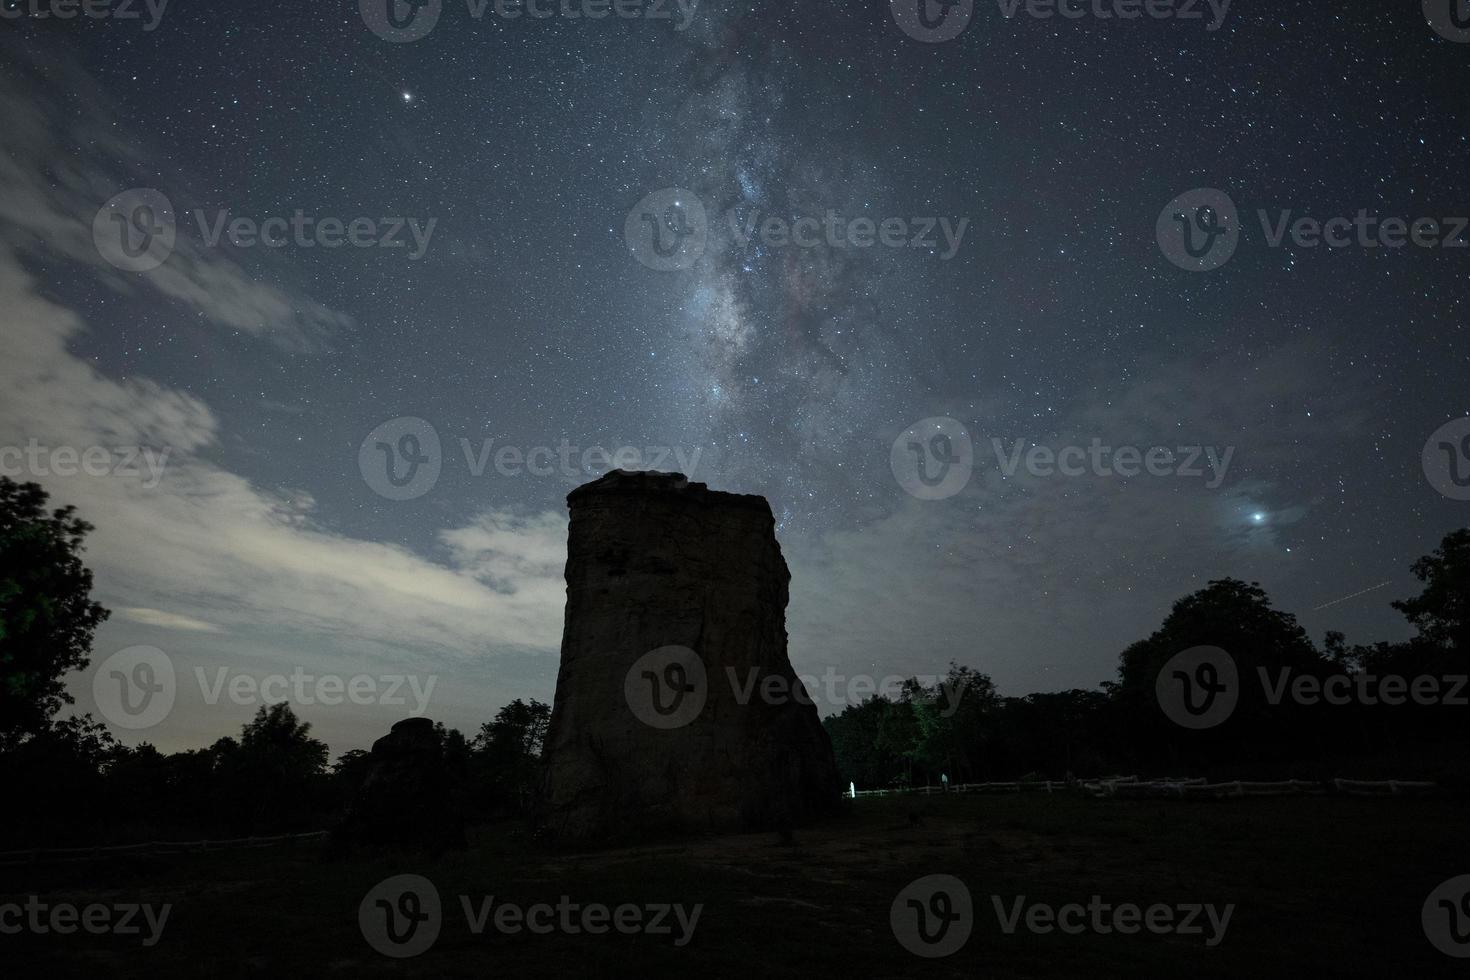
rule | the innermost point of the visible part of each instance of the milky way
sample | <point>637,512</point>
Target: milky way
<point>1000,275</point>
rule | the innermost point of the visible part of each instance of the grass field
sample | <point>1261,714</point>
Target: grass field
<point>1327,887</point>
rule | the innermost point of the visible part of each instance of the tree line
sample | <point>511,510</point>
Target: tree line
<point>68,780</point>
<point>1382,710</point>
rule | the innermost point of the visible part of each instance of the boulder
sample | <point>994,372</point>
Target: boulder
<point>407,799</point>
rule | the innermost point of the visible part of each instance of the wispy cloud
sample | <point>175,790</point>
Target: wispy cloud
<point>167,620</point>
<point>58,167</point>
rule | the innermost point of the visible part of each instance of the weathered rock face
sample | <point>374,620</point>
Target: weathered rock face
<point>676,706</point>
<point>407,799</point>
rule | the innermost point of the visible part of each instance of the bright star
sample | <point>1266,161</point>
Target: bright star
<point>407,96</point>
<point>1258,517</point>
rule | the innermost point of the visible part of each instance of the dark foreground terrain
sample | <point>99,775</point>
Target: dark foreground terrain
<point>1321,887</point>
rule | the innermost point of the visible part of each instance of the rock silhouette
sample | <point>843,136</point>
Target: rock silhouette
<point>407,799</point>
<point>676,707</point>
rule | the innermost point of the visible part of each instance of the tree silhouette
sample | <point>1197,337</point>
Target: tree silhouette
<point>1441,612</point>
<point>507,753</point>
<point>47,616</point>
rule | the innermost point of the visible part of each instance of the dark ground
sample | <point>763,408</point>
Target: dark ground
<point>1323,887</point>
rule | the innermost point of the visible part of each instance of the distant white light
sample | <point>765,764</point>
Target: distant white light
<point>407,96</point>
<point>1258,517</point>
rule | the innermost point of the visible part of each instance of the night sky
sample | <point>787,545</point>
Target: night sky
<point>1050,148</point>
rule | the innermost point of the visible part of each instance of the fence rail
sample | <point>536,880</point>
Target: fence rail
<point>1131,787</point>
<point>152,847</point>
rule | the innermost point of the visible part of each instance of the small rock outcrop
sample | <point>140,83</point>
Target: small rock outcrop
<point>407,799</point>
<point>676,707</point>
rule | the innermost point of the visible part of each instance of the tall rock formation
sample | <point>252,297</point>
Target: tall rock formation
<point>676,706</point>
